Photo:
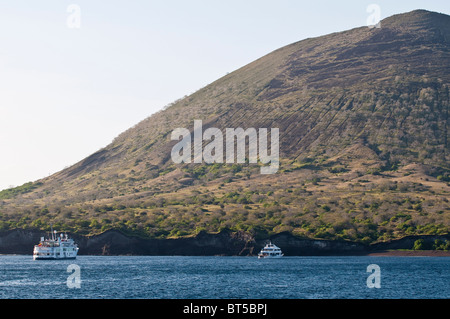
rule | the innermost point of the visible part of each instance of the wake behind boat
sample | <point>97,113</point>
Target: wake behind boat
<point>56,247</point>
<point>270,251</point>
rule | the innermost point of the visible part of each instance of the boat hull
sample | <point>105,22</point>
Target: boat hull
<point>270,257</point>
<point>52,258</point>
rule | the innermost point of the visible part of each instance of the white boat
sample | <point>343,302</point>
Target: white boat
<point>270,251</point>
<point>56,247</point>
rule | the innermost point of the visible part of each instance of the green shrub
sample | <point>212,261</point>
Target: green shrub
<point>419,244</point>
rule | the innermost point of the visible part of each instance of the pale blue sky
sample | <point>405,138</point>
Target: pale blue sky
<point>67,92</point>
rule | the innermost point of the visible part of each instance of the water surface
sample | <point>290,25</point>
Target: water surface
<point>149,277</point>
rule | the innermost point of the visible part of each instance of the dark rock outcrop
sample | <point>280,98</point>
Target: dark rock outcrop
<point>19,241</point>
<point>226,242</point>
<point>295,246</point>
<point>408,242</point>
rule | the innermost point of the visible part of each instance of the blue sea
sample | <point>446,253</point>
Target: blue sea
<point>176,277</point>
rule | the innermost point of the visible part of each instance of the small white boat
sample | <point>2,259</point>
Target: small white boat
<point>56,247</point>
<point>270,251</point>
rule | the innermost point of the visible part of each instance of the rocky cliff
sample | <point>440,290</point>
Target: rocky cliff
<point>204,244</point>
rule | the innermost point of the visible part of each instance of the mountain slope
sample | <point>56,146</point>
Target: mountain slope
<point>363,121</point>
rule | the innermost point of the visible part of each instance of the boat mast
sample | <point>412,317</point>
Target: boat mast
<point>51,227</point>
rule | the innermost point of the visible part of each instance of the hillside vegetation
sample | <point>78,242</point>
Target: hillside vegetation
<point>363,121</point>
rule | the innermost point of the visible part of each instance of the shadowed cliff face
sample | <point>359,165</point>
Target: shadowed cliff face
<point>363,121</point>
<point>225,243</point>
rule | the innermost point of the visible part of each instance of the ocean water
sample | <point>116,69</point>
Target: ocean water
<point>176,277</point>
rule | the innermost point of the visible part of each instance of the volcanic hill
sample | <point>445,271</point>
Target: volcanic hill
<point>363,117</point>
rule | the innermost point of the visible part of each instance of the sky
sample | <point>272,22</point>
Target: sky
<point>74,74</point>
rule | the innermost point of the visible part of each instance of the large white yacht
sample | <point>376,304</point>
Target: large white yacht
<point>270,251</point>
<point>56,247</point>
